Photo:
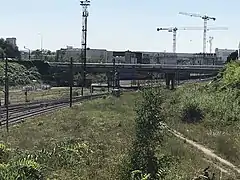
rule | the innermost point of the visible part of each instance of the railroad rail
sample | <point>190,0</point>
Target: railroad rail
<point>19,112</point>
<point>22,111</point>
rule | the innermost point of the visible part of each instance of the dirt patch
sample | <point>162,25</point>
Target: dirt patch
<point>208,152</point>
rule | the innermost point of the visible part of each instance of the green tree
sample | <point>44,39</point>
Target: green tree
<point>36,54</point>
<point>9,50</point>
<point>232,57</point>
<point>142,162</point>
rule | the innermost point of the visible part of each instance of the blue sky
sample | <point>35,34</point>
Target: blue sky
<point>118,24</point>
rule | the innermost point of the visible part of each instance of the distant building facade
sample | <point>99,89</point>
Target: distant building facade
<point>224,53</point>
<point>93,55</point>
<point>138,57</point>
<point>12,41</point>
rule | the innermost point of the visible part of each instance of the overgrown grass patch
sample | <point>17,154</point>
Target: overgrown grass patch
<point>85,142</point>
<point>187,162</point>
<point>91,141</point>
<point>220,119</point>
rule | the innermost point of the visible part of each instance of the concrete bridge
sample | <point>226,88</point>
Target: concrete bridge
<point>170,71</point>
<point>159,68</point>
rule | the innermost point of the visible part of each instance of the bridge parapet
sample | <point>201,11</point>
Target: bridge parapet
<point>104,67</point>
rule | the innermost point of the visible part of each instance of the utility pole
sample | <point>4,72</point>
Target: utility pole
<point>71,80</point>
<point>2,54</point>
<point>6,92</point>
<point>29,53</point>
<point>85,14</point>
<point>114,73</point>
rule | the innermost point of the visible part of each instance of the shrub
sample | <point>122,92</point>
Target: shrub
<point>20,166</point>
<point>191,112</point>
<point>19,74</point>
<point>4,153</point>
<point>143,163</point>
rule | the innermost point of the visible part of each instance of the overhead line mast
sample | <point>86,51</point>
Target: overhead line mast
<point>85,15</point>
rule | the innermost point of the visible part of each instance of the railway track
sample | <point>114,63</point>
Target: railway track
<point>20,112</point>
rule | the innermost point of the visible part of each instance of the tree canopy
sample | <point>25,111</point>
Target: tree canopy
<point>233,56</point>
<point>9,50</point>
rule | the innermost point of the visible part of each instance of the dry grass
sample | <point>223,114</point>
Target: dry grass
<point>218,129</point>
<point>18,96</point>
<point>106,127</point>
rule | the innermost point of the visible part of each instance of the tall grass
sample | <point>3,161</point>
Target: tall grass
<point>214,106</point>
<point>143,162</point>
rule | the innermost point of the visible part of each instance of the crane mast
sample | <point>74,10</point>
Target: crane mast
<point>174,39</point>
<point>205,20</point>
<point>204,35</point>
<point>174,31</point>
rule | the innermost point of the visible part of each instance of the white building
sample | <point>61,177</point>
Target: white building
<point>224,53</point>
<point>93,55</point>
<point>134,57</point>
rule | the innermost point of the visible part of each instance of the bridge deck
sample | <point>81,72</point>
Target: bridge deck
<point>104,67</point>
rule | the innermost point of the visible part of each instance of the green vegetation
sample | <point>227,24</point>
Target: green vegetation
<point>94,140</point>
<point>209,113</point>
<point>8,50</point>
<point>18,96</point>
<point>121,138</point>
<point>229,77</point>
<point>142,156</point>
<point>85,142</point>
<point>18,74</point>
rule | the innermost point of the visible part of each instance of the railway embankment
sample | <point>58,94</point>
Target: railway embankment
<point>209,113</point>
<point>101,139</point>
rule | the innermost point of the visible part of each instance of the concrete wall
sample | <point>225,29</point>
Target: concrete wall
<point>93,55</point>
<point>97,55</point>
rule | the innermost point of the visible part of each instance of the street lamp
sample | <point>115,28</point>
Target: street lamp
<point>29,53</point>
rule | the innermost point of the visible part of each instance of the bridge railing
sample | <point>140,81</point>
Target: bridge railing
<point>151,66</point>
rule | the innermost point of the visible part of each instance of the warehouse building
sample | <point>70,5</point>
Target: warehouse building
<point>138,57</point>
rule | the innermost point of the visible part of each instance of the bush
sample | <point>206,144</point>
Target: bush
<point>15,165</point>
<point>229,77</point>
<point>4,153</point>
<point>21,169</point>
<point>18,74</point>
<point>32,165</point>
<point>143,163</point>
<point>191,113</point>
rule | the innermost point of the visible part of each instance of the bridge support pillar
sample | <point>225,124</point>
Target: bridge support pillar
<point>170,80</point>
<point>109,75</point>
<point>117,80</point>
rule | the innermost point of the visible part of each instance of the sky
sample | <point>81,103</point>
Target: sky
<point>119,24</point>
